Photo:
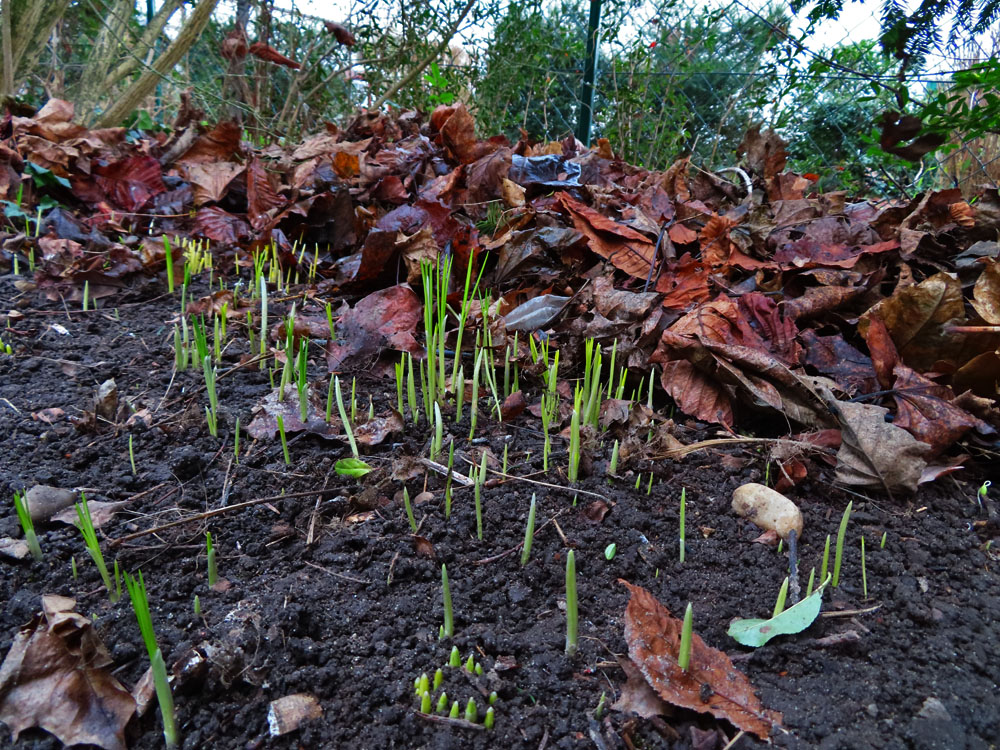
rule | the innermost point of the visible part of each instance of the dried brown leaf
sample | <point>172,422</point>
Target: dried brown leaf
<point>711,683</point>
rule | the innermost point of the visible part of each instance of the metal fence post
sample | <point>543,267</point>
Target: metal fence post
<point>586,116</point>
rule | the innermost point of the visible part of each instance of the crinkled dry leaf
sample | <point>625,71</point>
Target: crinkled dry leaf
<point>264,425</point>
<point>875,453</point>
<point>986,293</point>
<point>711,684</point>
<point>56,677</point>
<point>288,713</point>
<point>385,319</point>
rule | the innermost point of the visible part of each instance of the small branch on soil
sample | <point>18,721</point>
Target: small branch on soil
<point>457,723</point>
<point>338,575</point>
<point>547,484</point>
<point>216,512</point>
<point>704,444</point>
<point>851,612</point>
<point>443,470</point>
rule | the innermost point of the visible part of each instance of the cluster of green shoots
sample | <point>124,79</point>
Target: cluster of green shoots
<point>89,533</point>
<point>425,687</point>
<point>27,525</point>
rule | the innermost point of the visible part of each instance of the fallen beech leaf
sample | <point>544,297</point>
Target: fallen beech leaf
<point>986,293</point>
<point>100,513</point>
<point>385,319</point>
<point>626,248</point>
<point>696,393</point>
<point>711,684</point>
<point>423,547</point>
<point>375,431</point>
<point>56,677</point>
<point>264,425</point>
<point>637,695</point>
<point>795,619</point>
<point>926,410</point>
<point>270,54</point>
<point>874,453</point>
<point>513,405</point>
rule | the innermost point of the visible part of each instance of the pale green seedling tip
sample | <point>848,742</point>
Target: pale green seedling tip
<point>795,619</point>
<point>471,712</point>
<point>684,651</point>
<point>489,718</point>
<point>455,658</point>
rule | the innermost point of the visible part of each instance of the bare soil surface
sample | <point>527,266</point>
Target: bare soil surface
<point>327,592</point>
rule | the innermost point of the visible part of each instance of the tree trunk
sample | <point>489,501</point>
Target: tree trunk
<point>145,84</point>
<point>30,22</point>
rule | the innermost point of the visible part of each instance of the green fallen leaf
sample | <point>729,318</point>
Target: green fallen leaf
<point>351,467</point>
<point>756,633</point>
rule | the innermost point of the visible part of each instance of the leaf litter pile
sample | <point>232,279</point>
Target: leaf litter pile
<point>500,322</point>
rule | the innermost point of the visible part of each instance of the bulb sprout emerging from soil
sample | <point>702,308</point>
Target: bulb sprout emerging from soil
<point>409,511</point>
<point>571,604</point>
<point>471,712</point>
<point>839,554</point>
<point>343,418</point>
<point>779,604</point>
<point>529,533</point>
<point>684,652</point>
<point>489,718</point>
<point>449,622</point>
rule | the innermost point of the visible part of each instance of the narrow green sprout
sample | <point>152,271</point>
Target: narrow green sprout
<point>455,711</point>
<point>329,400</point>
<point>492,699</point>
<point>571,604</point>
<point>425,703</point>
<point>864,574</point>
<point>599,711</point>
<point>86,527</point>
<point>529,533</point>
<point>574,438</point>
<point>683,524</point>
<point>779,604</point>
<point>86,294</point>
<point>400,367</point>
<point>471,712</point>
<point>197,606</point>
<point>442,703</point>
<point>459,385</point>
<point>684,652</point>
<point>826,559</point>
<point>343,418</point>
<point>170,264</point>
<point>140,604</point>
<point>131,456</point>
<point>478,669</point>
<point>454,659</point>
<point>213,570</point>
<point>411,391</point>
<point>649,486</point>
<point>613,465</point>
<point>470,664</point>
<point>489,719</point>
<point>212,410</point>
<point>882,543</point>
<point>409,510</point>
<point>329,322</point>
<point>474,403</point>
<point>812,580</point>
<point>448,480</point>
<point>438,440</point>
<point>981,492</point>
<point>263,317</point>
<point>449,622</point>
<point>781,545</point>
<point>503,467</point>
<point>236,440</point>
<point>301,381</point>
<point>610,551</point>
<point>423,684</point>
<point>27,525</point>
<point>72,567</point>
<point>638,480</point>
<point>476,491</point>
<point>118,581</point>
<point>438,678</point>
<point>284,440</point>
<point>841,533</point>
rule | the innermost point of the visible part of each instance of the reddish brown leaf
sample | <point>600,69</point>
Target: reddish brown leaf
<point>221,143</point>
<point>653,638</point>
<point>56,676</point>
<point>211,180</point>
<point>385,319</point>
<point>131,182</point>
<point>696,393</point>
<point>376,431</point>
<point>219,225</point>
<point>626,248</point>
<point>513,405</point>
<point>986,293</point>
<point>261,196</point>
<point>270,54</point>
<point>926,410</point>
<point>883,351</point>
<point>832,356</point>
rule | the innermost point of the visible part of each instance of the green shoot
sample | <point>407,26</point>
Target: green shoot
<point>72,568</point>
<point>118,581</point>
<point>449,622</point>
<point>411,391</point>
<point>503,465</point>
<point>329,401</point>
<point>981,492</point>
<point>826,559</point>
<point>301,382</point>
<point>236,441</point>
<point>284,440</point>
<point>571,604</point>
<point>470,664</point>
<point>442,702</point>
<point>131,456</point>
<point>684,651</point>
<point>86,294</point>
<point>574,438</point>
<point>779,604</point>
<point>343,418</point>
<point>610,551</point>
<point>459,385</point>
<point>812,580</point>
<point>882,543</point>
<point>529,533</point>
<point>425,703</point>
<point>27,525</point>
<point>213,569</point>
<point>212,410</point>
<point>599,711</point>
<point>477,490</point>
<point>471,712</point>
<point>474,403</point>
<point>170,264</point>
<point>438,440</point>
<point>438,678</point>
<point>197,606</point>
<point>140,603</point>
<point>454,658</point>
<point>613,465</point>
<point>399,368</point>
<point>455,711</point>
<point>649,485</point>
<point>263,318</point>
<point>423,684</point>
<point>86,527</point>
<point>492,698</point>
<point>409,510</point>
<point>864,574</point>
<point>489,719</point>
<point>329,322</point>
<point>841,533</point>
<point>683,519</point>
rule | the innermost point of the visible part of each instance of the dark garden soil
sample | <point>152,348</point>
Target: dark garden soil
<point>328,593</point>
